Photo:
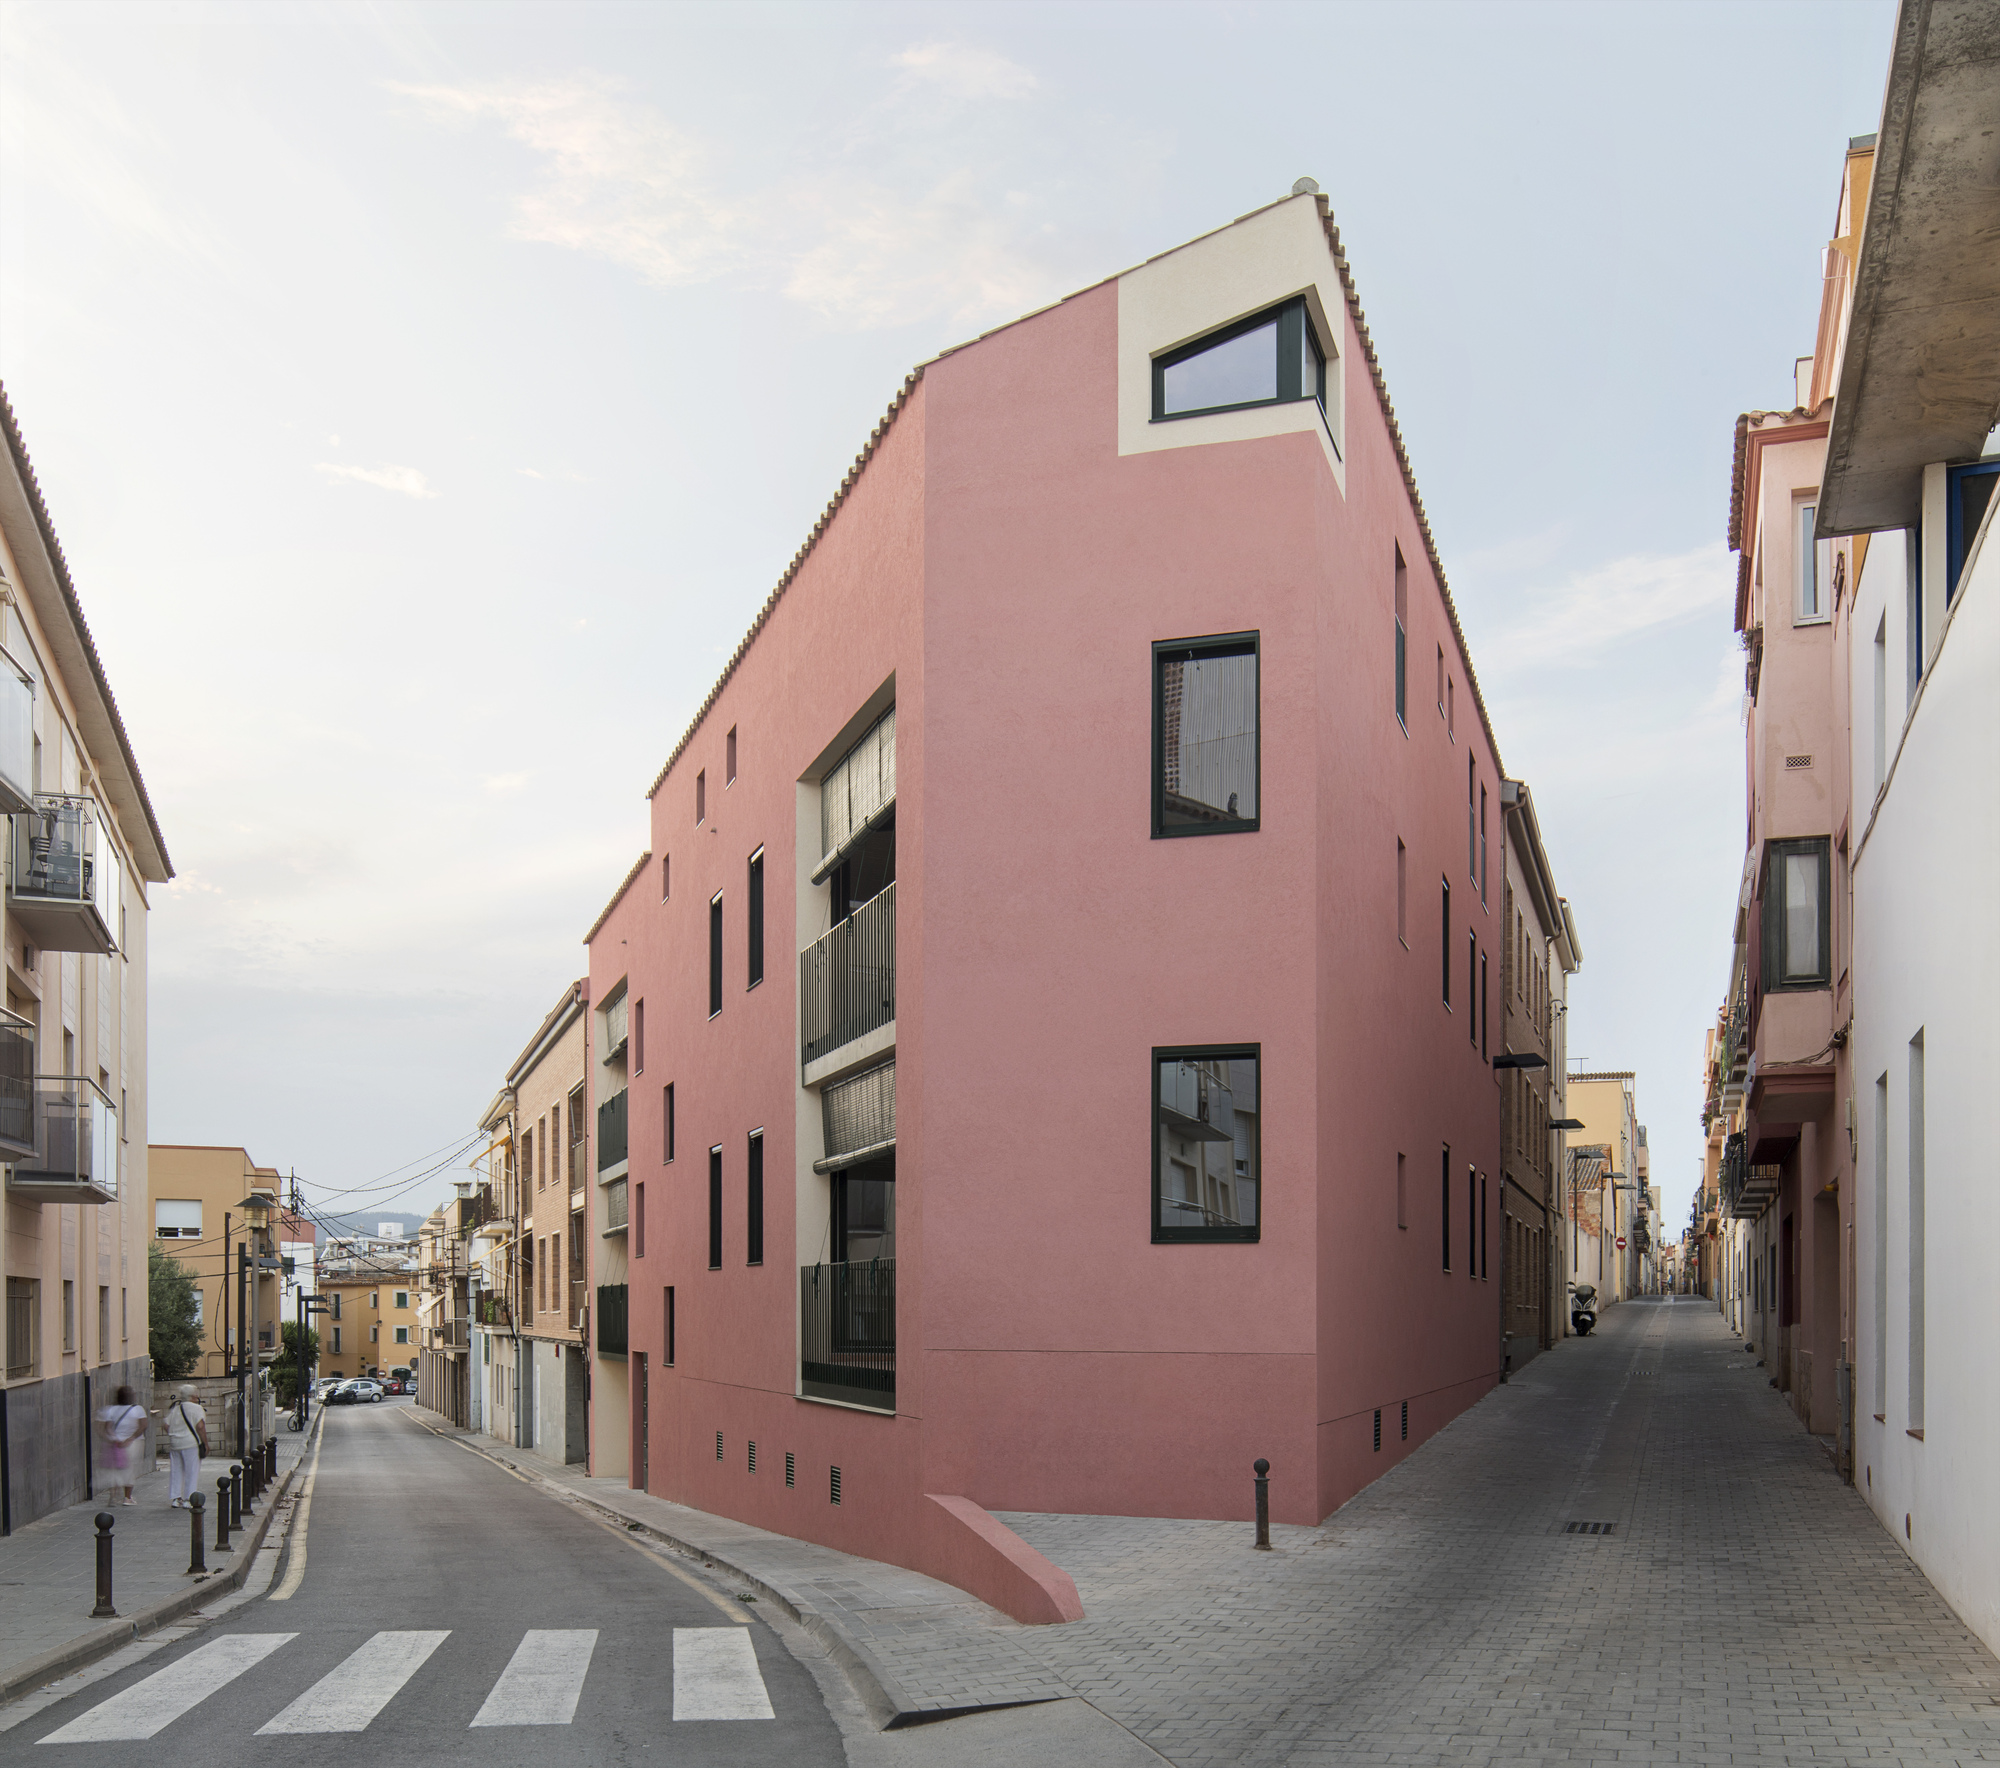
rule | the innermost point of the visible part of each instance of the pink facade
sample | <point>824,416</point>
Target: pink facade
<point>999,570</point>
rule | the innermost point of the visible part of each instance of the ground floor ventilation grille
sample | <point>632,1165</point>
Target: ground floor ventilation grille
<point>1590,1528</point>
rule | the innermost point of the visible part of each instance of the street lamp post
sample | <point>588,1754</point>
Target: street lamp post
<point>256,1210</point>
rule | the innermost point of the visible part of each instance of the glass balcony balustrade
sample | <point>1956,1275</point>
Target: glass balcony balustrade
<point>17,736</point>
<point>63,877</point>
<point>75,1154</point>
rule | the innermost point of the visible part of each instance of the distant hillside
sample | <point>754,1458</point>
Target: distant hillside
<point>377,1222</point>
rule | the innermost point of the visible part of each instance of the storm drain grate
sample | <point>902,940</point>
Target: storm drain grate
<point>1590,1528</point>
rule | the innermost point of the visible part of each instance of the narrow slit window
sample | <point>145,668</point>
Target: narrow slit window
<point>756,919</point>
<point>667,1127</point>
<point>1402,641</point>
<point>715,955</point>
<point>715,1209</point>
<point>754,1199</point>
<point>729,745</point>
<point>1403,894</point>
<point>701,798</point>
<point>1446,943</point>
<point>1444,1211</point>
<point>671,1325</point>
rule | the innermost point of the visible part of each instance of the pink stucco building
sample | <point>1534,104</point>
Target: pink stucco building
<point>1049,1030</point>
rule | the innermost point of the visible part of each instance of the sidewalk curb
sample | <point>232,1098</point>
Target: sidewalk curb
<point>87,1648</point>
<point>888,1704</point>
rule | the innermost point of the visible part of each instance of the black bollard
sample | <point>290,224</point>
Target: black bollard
<point>1263,1469</point>
<point>253,1470</point>
<point>271,1460</point>
<point>197,1564</point>
<point>104,1611</point>
<point>222,1514</point>
<point>236,1496</point>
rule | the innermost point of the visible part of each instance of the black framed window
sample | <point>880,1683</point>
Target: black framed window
<point>1798,945</point>
<point>715,1209</point>
<point>671,1324</point>
<point>1207,1143</point>
<point>1402,642</point>
<point>755,1200</point>
<point>715,955</point>
<point>667,1114</point>
<point>756,919</point>
<point>1447,942</point>
<point>1205,742</point>
<point>1444,1208</point>
<point>1271,358</point>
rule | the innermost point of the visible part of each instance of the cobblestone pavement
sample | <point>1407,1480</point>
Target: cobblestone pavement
<point>48,1568</point>
<point>1747,1608</point>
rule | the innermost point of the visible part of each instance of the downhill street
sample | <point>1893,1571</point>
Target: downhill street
<point>445,1610</point>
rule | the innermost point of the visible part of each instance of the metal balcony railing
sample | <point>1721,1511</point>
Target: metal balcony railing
<point>63,883</point>
<point>611,1147</point>
<point>847,1333</point>
<point>75,1138</point>
<point>847,979</point>
<point>493,1310</point>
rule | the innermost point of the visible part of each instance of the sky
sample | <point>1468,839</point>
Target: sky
<point>427,397</point>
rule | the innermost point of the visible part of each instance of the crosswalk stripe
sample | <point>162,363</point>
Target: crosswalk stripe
<point>348,1696</point>
<point>154,1703</point>
<point>716,1675</point>
<point>543,1679</point>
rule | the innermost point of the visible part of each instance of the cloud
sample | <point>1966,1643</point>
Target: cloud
<point>1576,622</point>
<point>407,480</point>
<point>619,181</point>
<point>563,473</point>
<point>963,71</point>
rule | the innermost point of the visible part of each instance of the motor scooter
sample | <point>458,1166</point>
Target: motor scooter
<point>1582,1308</point>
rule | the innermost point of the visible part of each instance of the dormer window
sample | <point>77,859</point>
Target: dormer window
<point>1272,358</point>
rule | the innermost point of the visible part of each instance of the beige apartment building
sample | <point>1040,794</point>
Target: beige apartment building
<point>1610,1185</point>
<point>1539,953</point>
<point>370,1323</point>
<point>530,1248</point>
<point>81,845</point>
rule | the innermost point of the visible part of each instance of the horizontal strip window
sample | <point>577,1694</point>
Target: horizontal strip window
<point>1271,358</point>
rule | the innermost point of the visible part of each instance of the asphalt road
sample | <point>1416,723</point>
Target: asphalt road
<point>443,1610</point>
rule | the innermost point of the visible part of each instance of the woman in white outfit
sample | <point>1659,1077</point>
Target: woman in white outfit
<point>123,1424</point>
<point>187,1436</point>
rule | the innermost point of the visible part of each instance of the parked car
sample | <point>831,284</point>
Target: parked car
<point>357,1391</point>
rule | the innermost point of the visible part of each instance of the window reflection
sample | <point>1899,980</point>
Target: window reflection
<point>1208,736</point>
<point>1242,370</point>
<point>1207,1131</point>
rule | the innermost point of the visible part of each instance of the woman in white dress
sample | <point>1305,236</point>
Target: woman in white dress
<point>123,1424</point>
<point>187,1436</point>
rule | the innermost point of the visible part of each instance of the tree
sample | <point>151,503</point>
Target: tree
<point>285,1372</point>
<point>173,1315</point>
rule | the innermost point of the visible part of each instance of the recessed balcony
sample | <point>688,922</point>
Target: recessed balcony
<point>75,1147</point>
<point>63,884</point>
<point>847,982</point>
<point>611,1143</point>
<point>847,1333</point>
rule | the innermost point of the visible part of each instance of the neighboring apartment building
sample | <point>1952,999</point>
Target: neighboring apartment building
<point>371,1321</point>
<point>1539,953</point>
<point>1787,1170</point>
<point>223,1218</point>
<point>529,1254</point>
<point>81,846</point>
<point>444,1308</point>
<point>1075,1160</point>
<point>1913,475</point>
<point>1606,1184</point>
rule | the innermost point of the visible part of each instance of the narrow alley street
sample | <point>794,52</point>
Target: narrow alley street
<point>1745,1605</point>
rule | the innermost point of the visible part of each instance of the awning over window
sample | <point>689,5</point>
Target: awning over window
<point>860,1118</point>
